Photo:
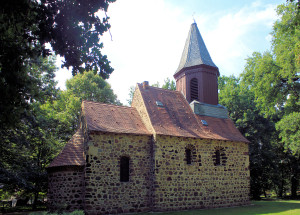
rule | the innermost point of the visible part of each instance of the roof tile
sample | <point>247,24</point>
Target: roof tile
<point>113,118</point>
<point>72,154</point>
<point>176,117</point>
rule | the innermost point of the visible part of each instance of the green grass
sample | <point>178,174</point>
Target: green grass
<point>278,207</point>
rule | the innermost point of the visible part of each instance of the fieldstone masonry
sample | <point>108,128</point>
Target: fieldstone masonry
<point>181,186</point>
<point>104,191</point>
<point>67,188</point>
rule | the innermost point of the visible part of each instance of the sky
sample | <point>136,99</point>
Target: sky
<point>148,36</point>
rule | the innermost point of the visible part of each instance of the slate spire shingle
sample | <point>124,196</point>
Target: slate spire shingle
<point>195,52</point>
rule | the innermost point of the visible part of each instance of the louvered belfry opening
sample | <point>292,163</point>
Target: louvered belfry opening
<point>194,89</point>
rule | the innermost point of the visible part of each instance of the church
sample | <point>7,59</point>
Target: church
<point>169,151</point>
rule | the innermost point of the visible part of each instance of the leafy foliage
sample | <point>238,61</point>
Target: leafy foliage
<point>131,94</point>
<point>239,100</point>
<point>66,108</point>
<point>289,132</point>
<point>28,147</point>
<point>168,85</point>
<point>72,28</point>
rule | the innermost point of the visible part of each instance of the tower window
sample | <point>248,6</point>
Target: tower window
<point>194,89</point>
<point>124,169</point>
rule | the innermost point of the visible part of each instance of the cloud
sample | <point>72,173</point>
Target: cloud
<point>237,35</point>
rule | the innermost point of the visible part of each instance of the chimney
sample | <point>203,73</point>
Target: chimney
<point>145,84</point>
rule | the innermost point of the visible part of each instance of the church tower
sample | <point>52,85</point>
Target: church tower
<point>197,75</point>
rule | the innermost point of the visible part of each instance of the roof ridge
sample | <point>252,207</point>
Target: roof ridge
<point>107,104</point>
<point>159,88</point>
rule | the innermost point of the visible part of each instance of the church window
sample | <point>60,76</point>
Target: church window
<point>194,89</point>
<point>188,155</point>
<point>219,156</point>
<point>124,169</point>
<point>218,159</point>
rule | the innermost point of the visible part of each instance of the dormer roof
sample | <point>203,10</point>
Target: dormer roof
<point>195,52</point>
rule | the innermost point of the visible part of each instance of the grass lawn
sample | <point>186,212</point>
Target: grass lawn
<point>278,207</point>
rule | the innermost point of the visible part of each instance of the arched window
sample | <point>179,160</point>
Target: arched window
<point>219,156</point>
<point>188,156</point>
<point>124,169</point>
<point>194,89</point>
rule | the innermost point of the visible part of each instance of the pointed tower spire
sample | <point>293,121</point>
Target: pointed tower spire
<point>197,75</point>
<point>194,52</point>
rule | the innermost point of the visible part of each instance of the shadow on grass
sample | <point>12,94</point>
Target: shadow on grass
<point>280,207</point>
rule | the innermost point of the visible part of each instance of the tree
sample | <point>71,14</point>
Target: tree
<point>72,28</point>
<point>273,79</point>
<point>28,147</point>
<point>66,108</point>
<point>242,109</point>
<point>289,132</point>
<point>169,85</point>
<point>131,94</point>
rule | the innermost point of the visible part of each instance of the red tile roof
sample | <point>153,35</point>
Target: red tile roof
<point>176,117</point>
<point>113,118</point>
<point>223,129</point>
<point>73,152</point>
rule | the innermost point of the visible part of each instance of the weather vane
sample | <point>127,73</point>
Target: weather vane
<point>194,17</point>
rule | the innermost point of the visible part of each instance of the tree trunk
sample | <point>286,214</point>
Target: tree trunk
<point>35,200</point>
<point>294,185</point>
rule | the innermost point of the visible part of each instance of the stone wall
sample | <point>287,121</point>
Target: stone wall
<point>201,184</point>
<point>104,192</point>
<point>65,188</point>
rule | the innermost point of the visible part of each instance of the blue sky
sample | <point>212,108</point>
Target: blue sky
<point>149,37</point>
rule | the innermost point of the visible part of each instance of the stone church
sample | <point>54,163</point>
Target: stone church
<point>171,150</point>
